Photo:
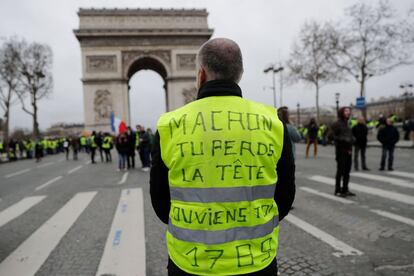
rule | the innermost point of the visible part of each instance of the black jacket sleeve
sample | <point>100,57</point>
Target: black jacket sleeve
<point>285,186</point>
<point>159,187</point>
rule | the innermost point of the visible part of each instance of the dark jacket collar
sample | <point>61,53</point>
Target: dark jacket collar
<point>219,88</point>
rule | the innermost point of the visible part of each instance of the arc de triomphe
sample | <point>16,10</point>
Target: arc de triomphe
<point>117,43</point>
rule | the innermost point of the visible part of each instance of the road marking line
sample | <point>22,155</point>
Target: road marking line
<point>124,252</point>
<point>342,248</point>
<point>389,180</point>
<point>74,169</point>
<point>325,195</point>
<point>48,183</point>
<point>18,209</point>
<point>394,267</point>
<point>373,191</point>
<point>124,178</point>
<point>17,173</point>
<point>346,201</point>
<point>33,252</point>
<point>44,165</point>
<point>403,174</point>
<point>394,217</point>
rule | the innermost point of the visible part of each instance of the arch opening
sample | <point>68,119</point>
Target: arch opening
<point>147,92</point>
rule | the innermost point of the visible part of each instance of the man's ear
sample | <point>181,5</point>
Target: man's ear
<point>201,76</point>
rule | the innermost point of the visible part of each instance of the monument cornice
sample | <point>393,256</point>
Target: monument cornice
<point>142,12</point>
<point>80,33</point>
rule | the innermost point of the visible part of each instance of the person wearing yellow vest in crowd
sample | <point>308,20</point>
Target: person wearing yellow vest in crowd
<point>1,150</point>
<point>93,147</point>
<point>83,144</point>
<point>107,145</point>
<point>29,147</point>
<point>222,174</point>
<point>44,146</point>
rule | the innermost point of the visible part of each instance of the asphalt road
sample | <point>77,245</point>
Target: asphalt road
<point>61,217</point>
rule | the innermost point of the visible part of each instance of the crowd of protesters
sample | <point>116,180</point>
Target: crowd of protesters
<point>127,144</point>
<point>28,148</point>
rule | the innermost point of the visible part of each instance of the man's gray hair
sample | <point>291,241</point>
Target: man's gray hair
<point>222,59</point>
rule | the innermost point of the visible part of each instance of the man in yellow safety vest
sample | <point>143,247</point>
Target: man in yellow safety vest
<point>222,176</point>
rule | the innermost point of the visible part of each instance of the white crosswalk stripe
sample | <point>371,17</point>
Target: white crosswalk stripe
<point>402,174</point>
<point>341,248</point>
<point>32,253</point>
<point>407,199</point>
<point>125,247</point>
<point>18,209</point>
<point>394,217</point>
<point>346,201</point>
<point>325,195</point>
<point>381,178</point>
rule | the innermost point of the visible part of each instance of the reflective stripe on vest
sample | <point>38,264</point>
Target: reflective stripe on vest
<point>233,194</point>
<point>221,154</point>
<point>223,236</point>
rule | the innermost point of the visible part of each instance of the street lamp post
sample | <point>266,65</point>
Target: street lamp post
<point>274,70</point>
<point>298,115</point>
<point>337,101</point>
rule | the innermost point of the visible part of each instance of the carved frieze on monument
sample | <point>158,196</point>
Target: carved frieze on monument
<point>102,106</point>
<point>128,57</point>
<point>189,95</point>
<point>186,62</point>
<point>100,63</point>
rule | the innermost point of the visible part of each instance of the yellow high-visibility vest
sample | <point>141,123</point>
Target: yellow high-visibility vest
<point>222,153</point>
<point>93,143</point>
<point>107,141</point>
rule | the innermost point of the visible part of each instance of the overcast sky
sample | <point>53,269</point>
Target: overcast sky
<point>265,31</point>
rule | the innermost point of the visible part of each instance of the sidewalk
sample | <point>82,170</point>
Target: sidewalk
<point>400,144</point>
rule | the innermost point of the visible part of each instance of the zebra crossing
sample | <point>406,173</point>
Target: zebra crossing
<point>124,250</point>
<point>339,247</point>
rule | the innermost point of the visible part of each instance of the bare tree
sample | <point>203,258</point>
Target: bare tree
<point>372,41</point>
<point>308,60</point>
<point>10,52</point>
<point>36,78</point>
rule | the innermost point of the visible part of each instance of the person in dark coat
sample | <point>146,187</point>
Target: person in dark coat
<point>75,145</point>
<point>388,137</point>
<point>341,134</point>
<point>122,149</point>
<point>360,133</point>
<point>38,151</point>
<point>312,137</point>
<point>98,141</point>
<point>144,149</point>
<point>131,137</point>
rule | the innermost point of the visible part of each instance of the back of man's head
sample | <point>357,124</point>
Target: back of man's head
<point>221,58</point>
